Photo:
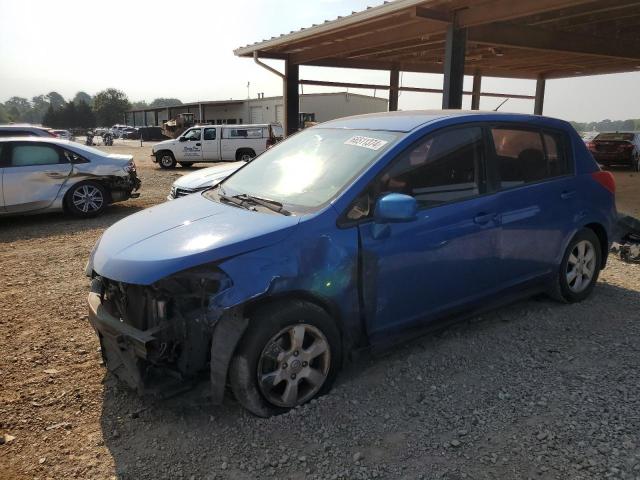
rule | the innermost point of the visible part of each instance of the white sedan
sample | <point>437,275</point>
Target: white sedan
<point>202,179</point>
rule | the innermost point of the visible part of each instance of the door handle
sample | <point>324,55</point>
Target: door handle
<point>566,195</point>
<point>198,144</point>
<point>53,175</point>
<point>484,218</point>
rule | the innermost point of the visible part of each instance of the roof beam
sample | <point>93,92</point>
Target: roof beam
<point>520,36</point>
<point>420,29</point>
<point>503,10</point>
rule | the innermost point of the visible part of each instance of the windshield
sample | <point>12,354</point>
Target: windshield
<point>310,168</point>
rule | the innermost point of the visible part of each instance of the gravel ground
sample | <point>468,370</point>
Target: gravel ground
<point>534,390</point>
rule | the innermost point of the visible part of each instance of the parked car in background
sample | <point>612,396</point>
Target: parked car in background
<point>49,174</point>
<point>202,179</point>
<point>619,148</point>
<point>353,234</point>
<point>16,130</point>
<point>118,130</point>
<point>214,143</point>
<point>64,134</point>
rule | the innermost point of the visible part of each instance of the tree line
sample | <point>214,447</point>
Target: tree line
<point>105,108</point>
<point>607,125</point>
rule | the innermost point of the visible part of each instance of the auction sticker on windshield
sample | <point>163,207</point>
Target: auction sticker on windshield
<point>366,142</point>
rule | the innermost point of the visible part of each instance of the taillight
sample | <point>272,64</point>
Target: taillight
<point>606,179</point>
<point>270,142</point>
<point>591,146</point>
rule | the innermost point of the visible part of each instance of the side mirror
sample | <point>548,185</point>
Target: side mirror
<point>395,208</point>
<point>182,139</point>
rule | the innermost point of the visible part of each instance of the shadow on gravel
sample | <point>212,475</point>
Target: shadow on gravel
<point>526,360</point>
<point>48,224</point>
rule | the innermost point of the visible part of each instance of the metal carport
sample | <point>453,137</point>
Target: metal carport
<point>529,39</point>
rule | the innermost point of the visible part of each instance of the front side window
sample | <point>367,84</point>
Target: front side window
<point>442,168</point>
<point>193,134</point>
<point>27,155</point>
<point>209,133</point>
<point>310,168</point>
<point>525,156</point>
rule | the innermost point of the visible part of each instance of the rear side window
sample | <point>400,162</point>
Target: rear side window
<point>442,168</point>
<point>524,156</point>
<point>15,133</point>
<point>242,133</point>
<point>26,155</point>
<point>209,133</point>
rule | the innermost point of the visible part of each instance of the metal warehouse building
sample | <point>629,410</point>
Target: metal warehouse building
<point>318,107</point>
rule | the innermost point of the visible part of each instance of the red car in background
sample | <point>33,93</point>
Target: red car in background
<point>619,148</point>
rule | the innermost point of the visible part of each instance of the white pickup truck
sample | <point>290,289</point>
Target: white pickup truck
<point>215,143</point>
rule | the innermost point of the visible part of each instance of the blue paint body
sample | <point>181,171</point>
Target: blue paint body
<point>376,280</point>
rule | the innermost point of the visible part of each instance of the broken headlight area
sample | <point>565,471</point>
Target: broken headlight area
<point>171,324</point>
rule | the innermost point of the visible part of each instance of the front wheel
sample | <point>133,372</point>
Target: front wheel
<point>580,267</point>
<point>86,199</point>
<point>290,354</point>
<point>166,160</point>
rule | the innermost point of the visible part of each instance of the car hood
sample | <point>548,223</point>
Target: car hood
<point>164,143</point>
<point>173,236</point>
<point>207,176</point>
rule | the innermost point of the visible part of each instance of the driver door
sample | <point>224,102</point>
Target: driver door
<point>33,174</point>
<point>190,147</point>
<point>443,260</point>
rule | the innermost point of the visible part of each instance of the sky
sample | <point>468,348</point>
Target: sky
<point>161,48</point>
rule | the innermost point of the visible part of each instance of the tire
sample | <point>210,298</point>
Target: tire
<point>166,159</point>
<point>86,199</point>
<point>267,352</point>
<point>186,164</point>
<point>574,283</point>
<point>246,155</point>
<point>635,166</point>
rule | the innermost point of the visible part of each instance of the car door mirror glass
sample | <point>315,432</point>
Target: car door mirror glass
<point>395,208</point>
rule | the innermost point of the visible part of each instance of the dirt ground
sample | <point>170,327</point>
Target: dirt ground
<point>537,390</point>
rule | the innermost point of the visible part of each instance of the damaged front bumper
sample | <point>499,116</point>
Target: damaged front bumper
<point>162,338</point>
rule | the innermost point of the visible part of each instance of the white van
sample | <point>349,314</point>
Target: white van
<point>215,143</point>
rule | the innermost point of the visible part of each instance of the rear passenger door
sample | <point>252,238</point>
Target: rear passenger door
<point>532,173</point>
<point>33,174</point>
<point>210,145</point>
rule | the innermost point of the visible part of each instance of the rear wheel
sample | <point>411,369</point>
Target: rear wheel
<point>86,199</point>
<point>166,160</point>
<point>245,155</point>
<point>186,164</point>
<point>580,267</point>
<point>290,354</point>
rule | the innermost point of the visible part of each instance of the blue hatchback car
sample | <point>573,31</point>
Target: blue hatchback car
<point>352,234</point>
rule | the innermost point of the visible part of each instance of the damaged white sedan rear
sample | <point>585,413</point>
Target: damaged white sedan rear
<point>48,174</point>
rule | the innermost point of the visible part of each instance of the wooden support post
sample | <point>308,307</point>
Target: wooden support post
<point>201,112</point>
<point>475,93</point>
<point>155,118</point>
<point>539,101</point>
<point>455,48</point>
<point>291,97</point>
<point>394,83</point>
<point>133,116</point>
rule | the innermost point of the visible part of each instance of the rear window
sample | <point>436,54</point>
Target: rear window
<point>615,137</point>
<point>524,156</point>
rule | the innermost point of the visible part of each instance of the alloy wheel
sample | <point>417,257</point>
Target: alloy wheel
<point>294,365</point>
<point>581,266</point>
<point>88,198</point>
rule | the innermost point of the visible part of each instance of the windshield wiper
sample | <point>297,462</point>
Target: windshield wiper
<point>265,202</point>
<point>234,200</point>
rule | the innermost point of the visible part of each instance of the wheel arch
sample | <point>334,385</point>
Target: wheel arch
<point>70,186</point>
<point>601,233</point>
